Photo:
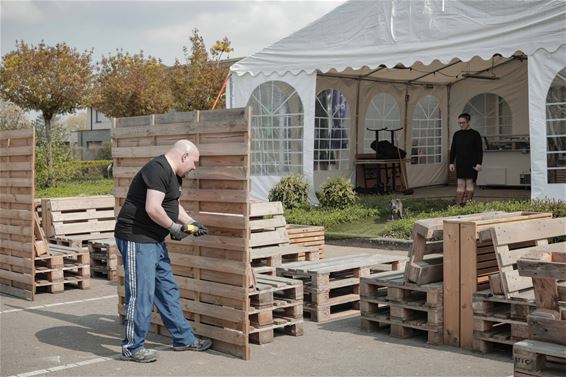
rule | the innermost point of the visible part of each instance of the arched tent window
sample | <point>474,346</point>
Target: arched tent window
<point>331,131</point>
<point>277,130</point>
<point>426,146</point>
<point>491,115</point>
<point>383,112</point>
<point>556,129</point>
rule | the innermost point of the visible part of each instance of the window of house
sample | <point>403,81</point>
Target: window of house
<point>98,117</point>
<point>556,129</point>
<point>426,147</point>
<point>331,131</point>
<point>277,130</point>
<point>491,115</point>
<point>93,144</point>
<point>383,112</point>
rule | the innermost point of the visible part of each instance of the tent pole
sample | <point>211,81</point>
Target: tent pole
<point>357,119</point>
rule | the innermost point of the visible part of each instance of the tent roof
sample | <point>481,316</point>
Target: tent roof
<point>449,37</point>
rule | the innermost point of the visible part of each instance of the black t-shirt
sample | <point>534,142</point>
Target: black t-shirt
<point>133,223</point>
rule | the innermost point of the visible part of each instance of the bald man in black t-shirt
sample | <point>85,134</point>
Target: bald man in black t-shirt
<point>152,211</point>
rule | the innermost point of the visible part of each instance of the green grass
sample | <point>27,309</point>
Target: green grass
<point>364,228</point>
<point>101,186</point>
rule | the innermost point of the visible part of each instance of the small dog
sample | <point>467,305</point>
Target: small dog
<point>396,206</point>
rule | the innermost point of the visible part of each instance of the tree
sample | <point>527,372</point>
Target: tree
<point>12,117</point>
<point>131,85</point>
<point>59,149</point>
<point>196,83</point>
<point>50,79</point>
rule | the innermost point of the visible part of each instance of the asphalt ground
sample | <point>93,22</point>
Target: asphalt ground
<point>77,333</point>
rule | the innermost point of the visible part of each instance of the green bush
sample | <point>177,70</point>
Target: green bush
<point>403,228</point>
<point>328,216</point>
<point>87,170</point>
<point>291,190</point>
<point>337,193</point>
<point>77,188</point>
<point>60,155</point>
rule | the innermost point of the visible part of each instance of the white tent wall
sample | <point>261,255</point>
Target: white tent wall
<point>502,167</point>
<point>543,68</point>
<point>348,88</point>
<point>240,90</point>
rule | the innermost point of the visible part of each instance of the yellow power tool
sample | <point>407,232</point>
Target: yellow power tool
<point>189,228</point>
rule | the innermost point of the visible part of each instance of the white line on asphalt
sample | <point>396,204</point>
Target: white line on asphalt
<point>31,308</point>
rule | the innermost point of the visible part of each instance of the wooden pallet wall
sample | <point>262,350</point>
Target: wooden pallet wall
<point>213,271</point>
<point>17,153</point>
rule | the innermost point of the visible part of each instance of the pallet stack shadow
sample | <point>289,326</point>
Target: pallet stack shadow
<point>332,285</point>
<point>409,302</point>
<point>500,313</point>
<point>544,354</point>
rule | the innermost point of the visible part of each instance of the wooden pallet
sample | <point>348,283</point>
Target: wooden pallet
<point>103,258</point>
<point>332,286</point>
<point>269,239</point>
<point>275,304</point>
<point>408,309</point>
<point>79,219</point>
<point>307,235</point>
<point>498,320</point>
<point>62,266</point>
<point>469,260</point>
<point>514,240</point>
<point>541,359</point>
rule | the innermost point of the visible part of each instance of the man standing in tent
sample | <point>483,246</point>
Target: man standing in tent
<point>466,154</point>
<point>152,211</point>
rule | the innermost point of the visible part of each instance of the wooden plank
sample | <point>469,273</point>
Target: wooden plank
<point>266,208</point>
<point>80,203</point>
<point>509,257</point>
<point>468,282</point>
<point>451,284</point>
<point>16,151</point>
<point>505,234</point>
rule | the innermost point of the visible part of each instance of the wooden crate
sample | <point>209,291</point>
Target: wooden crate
<point>103,258</point>
<point>269,239</point>
<point>307,235</point>
<point>469,260</point>
<point>76,220</point>
<point>275,304</point>
<point>408,309</point>
<point>540,359</point>
<point>17,148</point>
<point>498,320</point>
<point>60,267</point>
<point>332,286</point>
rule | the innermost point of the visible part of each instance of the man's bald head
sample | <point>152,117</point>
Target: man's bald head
<point>183,156</point>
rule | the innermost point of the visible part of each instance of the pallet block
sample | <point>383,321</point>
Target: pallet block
<point>275,304</point>
<point>62,266</point>
<point>104,258</point>
<point>541,359</point>
<point>498,320</point>
<point>332,286</point>
<point>408,309</point>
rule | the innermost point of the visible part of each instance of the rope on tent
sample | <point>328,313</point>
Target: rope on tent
<point>221,91</point>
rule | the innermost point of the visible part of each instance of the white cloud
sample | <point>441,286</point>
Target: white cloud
<point>250,26</point>
<point>25,11</point>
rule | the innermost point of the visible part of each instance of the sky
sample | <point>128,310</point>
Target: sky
<point>159,28</point>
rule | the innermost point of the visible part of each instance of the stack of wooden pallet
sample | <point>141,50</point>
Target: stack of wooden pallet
<point>332,286</point>
<point>500,313</point>
<point>409,309</point>
<point>62,266</point>
<point>103,258</point>
<point>544,354</point>
<point>307,235</point>
<point>75,221</point>
<point>269,240</point>
<point>276,303</point>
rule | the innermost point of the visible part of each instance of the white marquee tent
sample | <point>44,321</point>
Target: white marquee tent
<point>413,65</point>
